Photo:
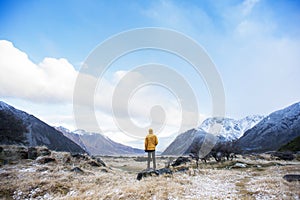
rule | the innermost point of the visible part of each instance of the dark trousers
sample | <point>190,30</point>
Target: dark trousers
<point>151,155</point>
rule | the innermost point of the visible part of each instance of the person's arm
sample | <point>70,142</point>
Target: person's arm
<point>156,141</point>
<point>146,143</point>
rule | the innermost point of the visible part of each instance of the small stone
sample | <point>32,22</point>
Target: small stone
<point>240,165</point>
<point>104,170</point>
<point>77,170</point>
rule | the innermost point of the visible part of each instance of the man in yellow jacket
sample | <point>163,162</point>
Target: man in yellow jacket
<point>150,144</point>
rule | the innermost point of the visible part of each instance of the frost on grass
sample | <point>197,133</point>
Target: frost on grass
<point>261,179</point>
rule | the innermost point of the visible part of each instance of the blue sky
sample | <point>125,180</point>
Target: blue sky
<point>255,45</point>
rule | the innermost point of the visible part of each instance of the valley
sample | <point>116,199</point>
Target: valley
<point>68,177</point>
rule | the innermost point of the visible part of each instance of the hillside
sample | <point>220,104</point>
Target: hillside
<point>20,128</point>
<point>211,131</point>
<point>98,144</point>
<point>275,130</point>
<point>293,145</point>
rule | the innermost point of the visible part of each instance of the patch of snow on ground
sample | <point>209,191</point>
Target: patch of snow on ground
<point>207,186</point>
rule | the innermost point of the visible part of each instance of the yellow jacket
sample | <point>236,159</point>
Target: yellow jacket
<point>150,142</point>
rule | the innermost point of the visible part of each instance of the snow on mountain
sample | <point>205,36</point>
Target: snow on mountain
<point>273,131</point>
<point>82,132</point>
<point>227,128</point>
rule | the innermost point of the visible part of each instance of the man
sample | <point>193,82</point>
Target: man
<point>150,144</point>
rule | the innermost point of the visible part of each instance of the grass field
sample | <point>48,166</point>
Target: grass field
<point>260,179</point>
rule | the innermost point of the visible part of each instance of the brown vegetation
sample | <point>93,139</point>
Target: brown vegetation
<point>251,179</point>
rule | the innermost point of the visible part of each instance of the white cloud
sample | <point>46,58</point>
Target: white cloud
<point>52,80</point>
<point>247,6</point>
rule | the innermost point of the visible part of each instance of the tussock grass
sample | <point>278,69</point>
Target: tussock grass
<point>29,179</point>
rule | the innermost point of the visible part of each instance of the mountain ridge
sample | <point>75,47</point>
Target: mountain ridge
<point>275,130</point>
<point>32,131</point>
<point>98,144</point>
<point>221,131</point>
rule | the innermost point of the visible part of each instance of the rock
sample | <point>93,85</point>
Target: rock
<point>66,160</point>
<point>79,156</point>
<point>32,153</point>
<point>101,162</point>
<point>94,163</point>
<point>77,170</point>
<point>180,160</point>
<point>44,160</point>
<point>104,170</point>
<point>165,171</point>
<point>22,152</point>
<point>43,151</point>
<point>239,165</point>
<point>291,177</point>
<point>181,169</point>
<point>153,172</point>
<point>146,173</point>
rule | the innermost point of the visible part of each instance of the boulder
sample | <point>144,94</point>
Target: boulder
<point>146,173</point>
<point>291,177</point>
<point>22,152</point>
<point>32,153</point>
<point>180,160</point>
<point>153,172</point>
<point>94,163</point>
<point>165,171</point>
<point>43,151</point>
<point>45,159</point>
<point>101,162</point>
<point>79,156</point>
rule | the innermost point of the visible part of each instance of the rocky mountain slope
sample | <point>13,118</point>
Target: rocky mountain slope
<point>212,130</point>
<point>97,144</point>
<point>20,128</point>
<point>273,131</point>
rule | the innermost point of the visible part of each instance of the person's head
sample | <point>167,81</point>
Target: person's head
<point>150,130</point>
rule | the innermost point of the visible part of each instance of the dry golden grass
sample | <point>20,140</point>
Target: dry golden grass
<point>27,179</point>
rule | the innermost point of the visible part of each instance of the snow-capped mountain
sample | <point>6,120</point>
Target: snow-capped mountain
<point>227,128</point>
<point>20,128</point>
<point>183,142</point>
<point>273,131</point>
<point>98,144</point>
